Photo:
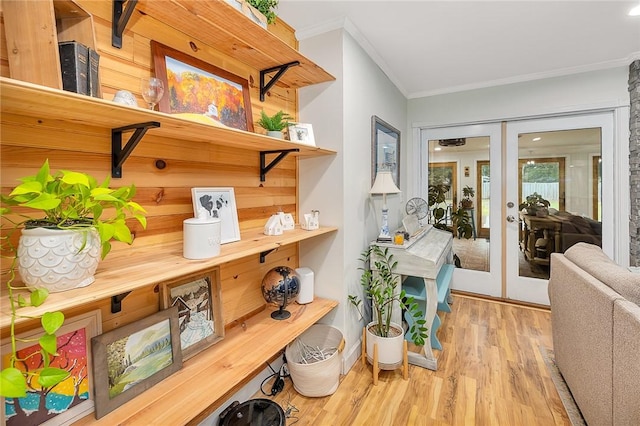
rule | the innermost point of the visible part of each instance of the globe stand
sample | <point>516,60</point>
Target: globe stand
<point>280,314</point>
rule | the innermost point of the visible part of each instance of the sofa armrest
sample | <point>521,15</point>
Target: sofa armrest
<point>582,328</point>
<point>626,363</point>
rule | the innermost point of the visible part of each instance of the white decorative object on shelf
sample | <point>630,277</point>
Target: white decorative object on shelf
<point>202,235</point>
<point>286,219</point>
<point>311,220</point>
<point>273,226</point>
<point>58,259</point>
<point>306,285</point>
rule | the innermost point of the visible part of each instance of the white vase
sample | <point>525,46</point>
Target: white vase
<point>58,259</point>
<point>390,353</point>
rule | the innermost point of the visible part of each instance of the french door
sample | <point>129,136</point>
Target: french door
<point>566,161</point>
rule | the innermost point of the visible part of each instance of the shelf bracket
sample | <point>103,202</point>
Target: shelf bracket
<point>120,20</point>
<point>281,69</point>
<point>264,254</point>
<point>265,168</point>
<point>120,154</point>
<point>116,302</point>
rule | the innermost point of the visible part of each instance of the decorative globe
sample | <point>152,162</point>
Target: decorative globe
<point>279,286</point>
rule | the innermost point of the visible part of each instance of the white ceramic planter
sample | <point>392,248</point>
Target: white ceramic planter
<point>52,259</point>
<point>275,134</point>
<point>389,348</point>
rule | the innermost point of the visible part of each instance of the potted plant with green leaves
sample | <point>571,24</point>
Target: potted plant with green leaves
<point>467,201</point>
<point>267,8</point>
<point>274,124</point>
<point>88,216</point>
<point>535,205</point>
<point>380,288</point>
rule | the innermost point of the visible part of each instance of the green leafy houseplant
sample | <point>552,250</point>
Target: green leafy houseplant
<point>266,7</point>
<point>437,205</point>
<point>67,200</point>
<point>534,203</point>
<point>381,289</point>
<point>275,123</point>
<point>468,193</point>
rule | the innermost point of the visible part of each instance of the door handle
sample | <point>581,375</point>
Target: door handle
<point>511,219</point>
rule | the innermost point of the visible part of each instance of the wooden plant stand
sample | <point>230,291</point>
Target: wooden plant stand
<point>376,366</point>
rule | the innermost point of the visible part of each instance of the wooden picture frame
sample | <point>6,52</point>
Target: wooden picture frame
<point>385,149</point>
<point>217,96</point>
<point>219,203</point>
<point>74,352</point>
<point>151,346</point>
<point>302,133</point>
<point>199,301</point>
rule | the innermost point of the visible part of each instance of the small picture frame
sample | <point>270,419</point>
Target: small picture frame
<point>219,203</point>
<point>385,149</point>
<point>301,133</point>
<point>131,359</point>
<point>69,400</point>
<point>199,301</point>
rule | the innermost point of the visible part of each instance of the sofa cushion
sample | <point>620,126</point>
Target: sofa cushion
<point>592,259</point>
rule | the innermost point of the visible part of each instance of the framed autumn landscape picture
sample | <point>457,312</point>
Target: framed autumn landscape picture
<point>70,399</point>
<point>201,91</point>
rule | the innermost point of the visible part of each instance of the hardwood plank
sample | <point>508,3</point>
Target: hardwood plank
<point>199,393</point>
<point>475,383</point>
<point>153,264</point>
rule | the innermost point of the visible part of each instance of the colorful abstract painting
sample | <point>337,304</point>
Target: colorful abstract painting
<point>68,400</point>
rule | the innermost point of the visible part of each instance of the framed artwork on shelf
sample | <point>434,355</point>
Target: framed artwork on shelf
<point>198,298</point>
<point>200,91</point>
<point>385,149</point>
<point>69,400</point>
<point>131,359</point>
<point>302,133</point>
<point>219,203</point>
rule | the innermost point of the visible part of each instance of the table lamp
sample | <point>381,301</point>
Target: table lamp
<point>384,185</point>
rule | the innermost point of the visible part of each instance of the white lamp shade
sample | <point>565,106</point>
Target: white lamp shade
<point>384,184</point>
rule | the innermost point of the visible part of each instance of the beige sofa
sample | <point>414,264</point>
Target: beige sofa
<point>595,317</point>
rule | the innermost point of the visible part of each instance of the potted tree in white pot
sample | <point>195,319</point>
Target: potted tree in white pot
<point>380,285</point>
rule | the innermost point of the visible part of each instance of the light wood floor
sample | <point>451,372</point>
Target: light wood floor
<point>490,372</point>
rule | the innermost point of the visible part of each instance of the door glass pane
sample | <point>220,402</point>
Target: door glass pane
<point>455,171</point>
<point>559,193</point>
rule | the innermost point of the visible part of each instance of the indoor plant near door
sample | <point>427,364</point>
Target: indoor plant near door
<point>72,203</point>
<point>467,201</point>
<point>535,205</point>
<point>380,287</point>
<point>274,124</point>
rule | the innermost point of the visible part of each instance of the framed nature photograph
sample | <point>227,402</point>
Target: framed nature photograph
<point>199,303</point>
<point>301,133</point>
<point>201,91</point>
<point>70,399</point>
<point>219,203</point>
<point>385,149</point>
<point>131,359</point>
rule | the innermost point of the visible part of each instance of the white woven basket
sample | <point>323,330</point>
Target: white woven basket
<point>320,378</point>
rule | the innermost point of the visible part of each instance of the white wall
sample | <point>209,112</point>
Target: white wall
<point>339,187</point>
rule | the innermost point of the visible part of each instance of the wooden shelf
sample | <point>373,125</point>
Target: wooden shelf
<point>235,35</point>
<point>208,378</point>
<point>44,103</point>
<point>154,264</point>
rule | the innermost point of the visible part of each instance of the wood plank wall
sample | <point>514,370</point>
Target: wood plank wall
<point>166,194</point>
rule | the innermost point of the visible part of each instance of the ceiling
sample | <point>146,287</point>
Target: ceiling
<point>432,47</point>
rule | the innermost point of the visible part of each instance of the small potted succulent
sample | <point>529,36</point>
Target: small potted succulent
<point>274,124</point>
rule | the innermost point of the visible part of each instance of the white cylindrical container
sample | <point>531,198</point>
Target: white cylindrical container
<point>306,286</point>
<point>201,238</point>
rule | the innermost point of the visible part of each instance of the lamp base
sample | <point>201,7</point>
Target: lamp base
<point>383,239</point>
